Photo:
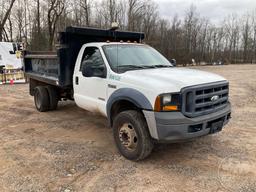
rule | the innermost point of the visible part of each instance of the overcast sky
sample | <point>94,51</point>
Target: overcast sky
<point>215,10</point>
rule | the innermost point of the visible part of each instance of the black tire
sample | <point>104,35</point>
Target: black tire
<point>142,143</point>
<point>53,97</point>
<point>41,99</point>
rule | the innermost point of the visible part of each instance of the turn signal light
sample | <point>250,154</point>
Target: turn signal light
<point>158,106</point>
<point>170,108</point>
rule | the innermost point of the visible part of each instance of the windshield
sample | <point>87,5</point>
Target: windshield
<point>126,57</point>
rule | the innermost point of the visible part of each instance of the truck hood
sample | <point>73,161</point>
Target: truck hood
<point>169,79</point>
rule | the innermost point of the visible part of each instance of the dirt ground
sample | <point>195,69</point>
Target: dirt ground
<point>73,150</point>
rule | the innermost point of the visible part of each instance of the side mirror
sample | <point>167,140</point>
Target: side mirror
<point>173,62</point>
<point>88,70</point>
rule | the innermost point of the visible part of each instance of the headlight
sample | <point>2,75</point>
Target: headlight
<point>167,99</point>
<point>168,102</point>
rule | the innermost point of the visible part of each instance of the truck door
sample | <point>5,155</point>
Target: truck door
<point>90,84</point>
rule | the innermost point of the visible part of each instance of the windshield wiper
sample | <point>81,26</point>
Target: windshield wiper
<point>156,66</point>
<point>131,66</point>
<point>162,66</point>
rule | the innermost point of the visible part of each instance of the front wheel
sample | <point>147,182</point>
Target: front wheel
<point>131,135</point>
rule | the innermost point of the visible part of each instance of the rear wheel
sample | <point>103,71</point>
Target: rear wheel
<point>53,97</point>
<point>131,135</point>
<point>41,99</point>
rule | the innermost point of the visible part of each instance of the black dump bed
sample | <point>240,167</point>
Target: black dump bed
<point>57,68</point>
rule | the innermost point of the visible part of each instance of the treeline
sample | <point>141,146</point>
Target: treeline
<point>37,22</point>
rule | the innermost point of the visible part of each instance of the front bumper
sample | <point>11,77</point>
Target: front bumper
<point>175,127</point>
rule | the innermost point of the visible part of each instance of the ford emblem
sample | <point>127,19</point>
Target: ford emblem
<point>215,98</point>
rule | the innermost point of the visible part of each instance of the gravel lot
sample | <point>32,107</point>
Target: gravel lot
<point>73,150</point>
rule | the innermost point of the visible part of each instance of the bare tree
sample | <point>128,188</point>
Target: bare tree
<point>18,18</point>
<point>232,33</point>
<point>109,11</point>
<point>190,24</point>
<point>246,37</point>
<point>38,17</point>
<point>5,15</point>
<point>86,6</point>
<point>55,9</point>
<point>254,37</point>
<point>134,13</point>
<point>150,18</point>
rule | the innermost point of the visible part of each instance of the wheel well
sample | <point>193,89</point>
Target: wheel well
<point>62,93</point>
<point>120,106</point>
<point>33,84</point>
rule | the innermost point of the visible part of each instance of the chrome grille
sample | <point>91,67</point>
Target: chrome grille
<point>204,99</point>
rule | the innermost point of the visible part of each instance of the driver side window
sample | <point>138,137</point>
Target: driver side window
<point>93,62</point>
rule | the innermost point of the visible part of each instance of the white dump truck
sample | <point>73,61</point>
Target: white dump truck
<point>145,98</point>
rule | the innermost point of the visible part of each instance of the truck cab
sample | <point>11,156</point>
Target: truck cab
<point>145,98</point>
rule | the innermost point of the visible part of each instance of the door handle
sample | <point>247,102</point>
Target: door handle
<point>77,81</point>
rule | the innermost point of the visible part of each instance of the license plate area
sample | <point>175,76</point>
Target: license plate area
<point>216,125</point>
